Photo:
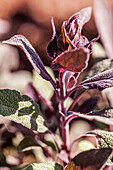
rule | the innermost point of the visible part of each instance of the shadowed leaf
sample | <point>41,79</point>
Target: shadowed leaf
<point>44,166</point>
<point>94,158</point>
<point>24,44</point>
<point>73,60</point>
<point>100,82</point>
<point>90,103</point>
<point>21,109</point>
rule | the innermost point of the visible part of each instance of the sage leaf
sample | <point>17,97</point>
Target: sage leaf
<point>46,166</point>
<point>33,57</point>
<point>21,109</point>
<point>94,158</point>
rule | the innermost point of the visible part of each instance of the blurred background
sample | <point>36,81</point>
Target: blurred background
<point>33,20</point>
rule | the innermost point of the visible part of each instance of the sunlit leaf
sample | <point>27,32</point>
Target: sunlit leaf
<point>21,109</point>
<point>85,145</point>
<point>44,86</point>
<point>73,60</point>
<point>100,82</point>
<point>99,67</point>
<point>44,166</point>
<point>105,138</point>
<point>94,158</point>
<point>33,57</point>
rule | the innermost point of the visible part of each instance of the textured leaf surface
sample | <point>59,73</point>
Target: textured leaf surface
<point>103,119</point>
<point>21,109</point>
<point>45,166</point>
<point>106,112</point>
<point>105,138</point>
<point>94,158</point>
<point>73,60</point>
<point>104,21</point>
<point>100,82</point>
<point>98,68</point>
<point>22,42</point>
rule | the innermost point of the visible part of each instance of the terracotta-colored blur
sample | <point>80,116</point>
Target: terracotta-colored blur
<point>32,18</point>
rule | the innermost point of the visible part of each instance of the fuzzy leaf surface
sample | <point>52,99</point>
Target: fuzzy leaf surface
<point>106,112</point>
<point>33,57</point>
<point>94,158</point>
<point>21,109</point>
<point>44,166</point>
<point>99,67</point>
<point>105,138</point>
<point>100,82</point>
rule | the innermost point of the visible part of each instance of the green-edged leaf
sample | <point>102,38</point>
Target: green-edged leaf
<point>105,138</point>
<point>94,158</point>
<point>26,142</point>
<point>21,109</point>
<point>45,166</point>
<point>99,67</point>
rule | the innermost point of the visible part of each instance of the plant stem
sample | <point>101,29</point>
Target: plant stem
<point>75,101</point>
<point>62,93</point>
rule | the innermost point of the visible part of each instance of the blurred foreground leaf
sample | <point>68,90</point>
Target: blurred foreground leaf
<point>21,109</point>
<point>45,166</point>
<point>93,159</point>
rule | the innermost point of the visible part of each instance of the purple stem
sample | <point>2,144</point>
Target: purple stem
<point>56,141</point>
<point>75,101</point>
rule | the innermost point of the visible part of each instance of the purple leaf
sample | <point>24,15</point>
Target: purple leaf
<point>95,158</point>
<point>90,103</point>
<point>73,60</point>
<point>76,22</point>
<point>106,112</point>
<point>100,81</point>
<point>70,34</point>
<point>103,119</point>
<point>52,48</point>
<point>99,67</point>
<point>105,138</point>
<point>104,20</point>
<point>70,79</point>
<point>23,43</point>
